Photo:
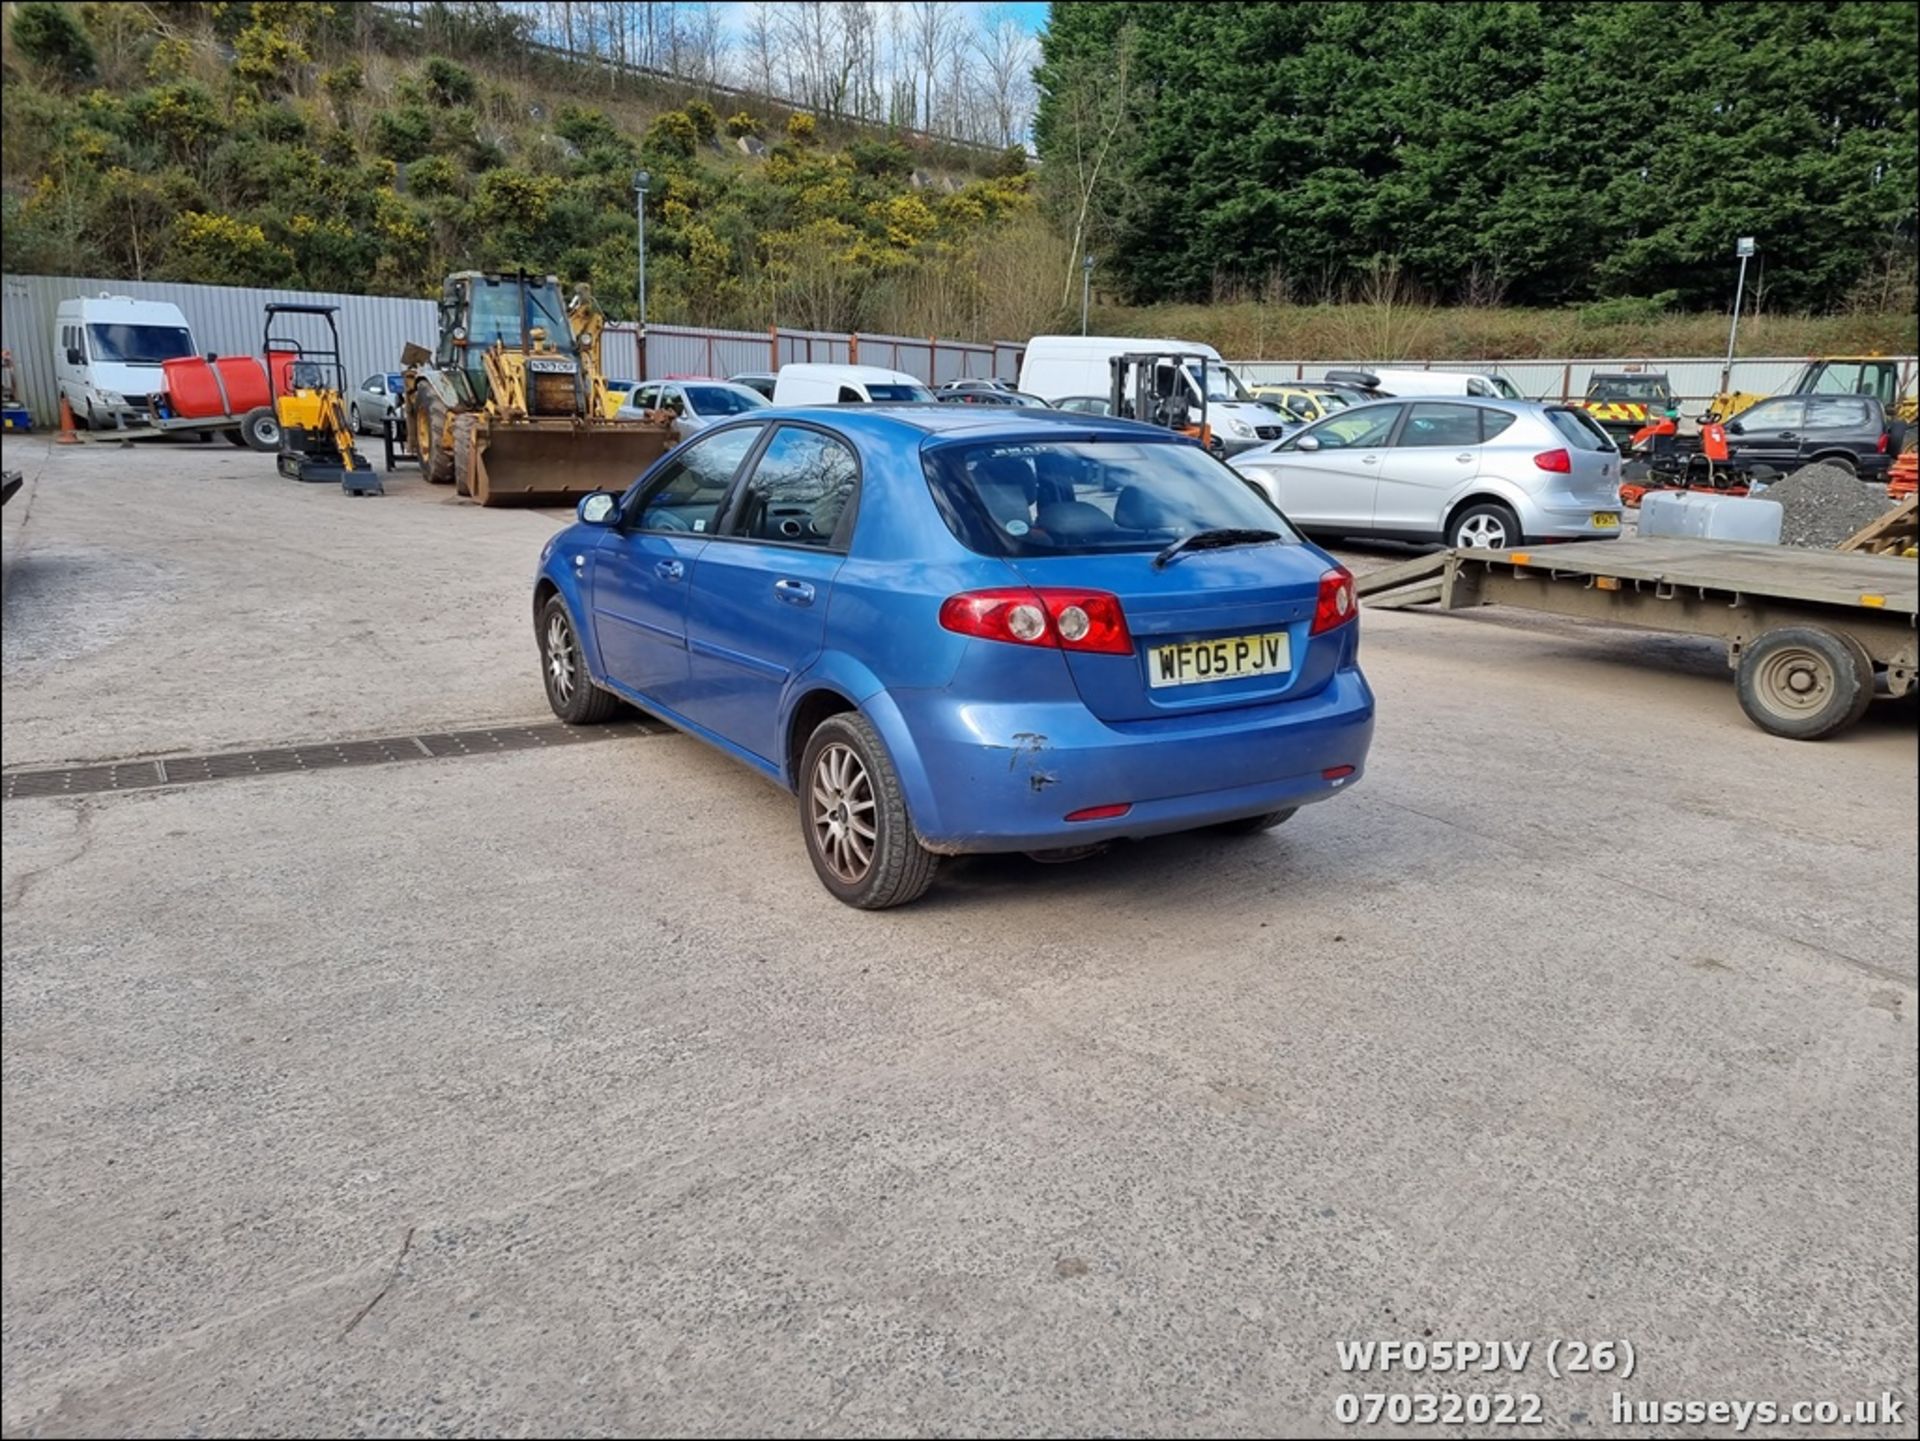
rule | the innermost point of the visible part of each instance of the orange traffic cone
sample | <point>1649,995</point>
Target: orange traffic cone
<point>66,435</point>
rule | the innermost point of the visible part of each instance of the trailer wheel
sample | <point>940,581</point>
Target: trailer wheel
<point>261,429</point>
<point>430,426</point>
<point>1804,682</point>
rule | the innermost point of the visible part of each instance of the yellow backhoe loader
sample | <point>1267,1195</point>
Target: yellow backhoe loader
<point>511,406</point>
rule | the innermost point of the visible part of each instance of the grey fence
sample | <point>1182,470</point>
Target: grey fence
<point>1692,379</point>
<point>227,320</point>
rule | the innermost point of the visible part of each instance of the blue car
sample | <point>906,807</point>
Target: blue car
<point>952,629</point>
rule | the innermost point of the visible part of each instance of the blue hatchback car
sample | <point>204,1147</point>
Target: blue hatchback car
<point>954,629</point>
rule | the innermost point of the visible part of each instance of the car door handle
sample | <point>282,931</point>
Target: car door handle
<point>794,592</point>
<point>1466,459</point>
<point>1368,459</point>
<point>669,569</point>
<point>1788,435</point>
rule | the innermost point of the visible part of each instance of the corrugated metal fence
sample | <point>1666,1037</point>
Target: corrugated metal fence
<point>1693,380</point>
<point>227,320</point>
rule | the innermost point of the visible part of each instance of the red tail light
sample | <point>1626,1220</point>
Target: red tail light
<point>1083,620</point>
<point>1559,462</point>
<point>1883,442</point>
<point>1335,605</point>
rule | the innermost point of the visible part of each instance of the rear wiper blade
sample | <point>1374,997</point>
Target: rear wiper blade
<point>1213,540</point>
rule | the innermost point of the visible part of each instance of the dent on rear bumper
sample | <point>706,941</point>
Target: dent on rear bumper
<point>1004,777</point>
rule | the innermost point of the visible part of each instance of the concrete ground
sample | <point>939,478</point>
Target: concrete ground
<point>550,1092</point>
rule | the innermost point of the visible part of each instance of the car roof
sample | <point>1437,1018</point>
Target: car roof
<point>964,422</point>
<point>1489,402</point>
<point>869,373</point>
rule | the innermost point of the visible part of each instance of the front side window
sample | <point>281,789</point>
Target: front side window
<point>139,344</point>
<point>1363,428</point>
<point>1049,497</point>
<point>1441,425</point>
<point>686,494</point>
<point>1772,415</point>
<point>799,490</point>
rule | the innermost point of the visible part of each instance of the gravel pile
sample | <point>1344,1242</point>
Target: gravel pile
<point>1821,505</point>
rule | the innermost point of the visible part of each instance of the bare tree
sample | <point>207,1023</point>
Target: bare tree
<point>934,33</point>
<point>1094,104</point>
<point>706,43</point>
<point>1006,55</point>
<point>762,45</point>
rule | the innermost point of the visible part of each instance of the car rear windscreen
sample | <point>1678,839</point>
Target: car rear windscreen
<point>917,393</point>
<point>1582,432</point>
<point>1037,498</point>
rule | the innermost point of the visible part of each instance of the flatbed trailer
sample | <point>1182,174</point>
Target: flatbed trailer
<point>1808,632</point>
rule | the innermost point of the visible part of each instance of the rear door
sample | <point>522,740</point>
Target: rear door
<point>643,568</point>
<point>1840,422</point>
<point>1769,433</point>
<point>1594,479</point>
<point>1333,487</point>
<point>1434,456</point>
<point>758,609</point>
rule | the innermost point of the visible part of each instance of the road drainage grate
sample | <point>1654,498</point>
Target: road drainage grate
<point>324,756</point>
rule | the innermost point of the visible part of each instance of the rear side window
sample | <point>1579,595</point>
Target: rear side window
<point>1493,422</point>
<point>1440,425</point>
<point>1833,413</point>
<point>1051,497</point>
<point>1578,431</point>
<point>799,490</point>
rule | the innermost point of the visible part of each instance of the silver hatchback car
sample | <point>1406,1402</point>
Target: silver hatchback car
<point>1466,472</point>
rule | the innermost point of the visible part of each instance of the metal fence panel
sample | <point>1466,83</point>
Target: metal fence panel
<point>1693,380</point>
<point>688,350</point>
<point>225,320</point>
<point>815,347</point>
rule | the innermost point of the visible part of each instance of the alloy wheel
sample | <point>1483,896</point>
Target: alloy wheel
<point>562,665</point>
<point>1483,532</point>
<point>841,812</point>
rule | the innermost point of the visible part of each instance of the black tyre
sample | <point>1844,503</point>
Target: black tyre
<point>1804,683</point>
<point>563,670</point>
<point>429,440</point>
<point>353,418</point>
<point>1839,462</point>
<point>260,430</point>
<point>1488,525</point>
<point>465,427</point>
<point>235,436</point>
<point>1254,825</point>
<point>854,818</point>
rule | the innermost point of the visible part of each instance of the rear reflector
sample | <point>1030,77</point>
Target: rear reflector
<point>1101,813</point>
<point>1336,773</point>
<point>1334,606</point>
<point>1559,462</point>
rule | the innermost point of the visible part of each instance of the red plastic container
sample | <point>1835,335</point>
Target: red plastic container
<point>230,385</point>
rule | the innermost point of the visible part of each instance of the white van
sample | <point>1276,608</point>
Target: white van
<point>1444,382</point>
<point>845,385</point>
<point>1062,367</point>
<point>107,352</point>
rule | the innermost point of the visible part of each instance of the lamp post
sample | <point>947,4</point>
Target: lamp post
<point>1086,289</point>
<point>1744,249</point>
<point>641,180</point>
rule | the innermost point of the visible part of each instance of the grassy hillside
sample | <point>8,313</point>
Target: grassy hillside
<point>1398,331</point>
<point>304,145</point>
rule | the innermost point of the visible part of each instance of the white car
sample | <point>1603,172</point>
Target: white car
<point>1471,472</point>
<point>696,404</point>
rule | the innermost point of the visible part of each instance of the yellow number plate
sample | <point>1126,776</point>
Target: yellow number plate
<point>1605,519</point>
<point>1234,658</point>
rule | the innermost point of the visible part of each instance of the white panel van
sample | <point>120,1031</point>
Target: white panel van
<point>845,385</point>
<point>107,352</point>
<point>1061,367</point>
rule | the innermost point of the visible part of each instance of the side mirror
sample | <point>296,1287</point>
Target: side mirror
<point>73,355</point>
<point>598,508</point>
<point>1307,443</point>
<point>1734,427</point>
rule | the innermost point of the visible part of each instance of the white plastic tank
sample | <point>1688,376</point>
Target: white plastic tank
<point>1700,515</point>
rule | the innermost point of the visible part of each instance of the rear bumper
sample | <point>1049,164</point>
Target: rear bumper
<point>1005,777</point>
<point>1567,519</point>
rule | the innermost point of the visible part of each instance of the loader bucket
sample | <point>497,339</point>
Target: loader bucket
<point>558,461</point>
